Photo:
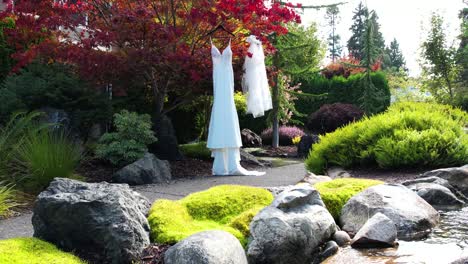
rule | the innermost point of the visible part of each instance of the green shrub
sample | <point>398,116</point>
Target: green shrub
<point>53,85</point>
<point>196,150</point>
<point>44,155</point>
<point>129,142</point>
<point>33,251</point>
<point>7,195</point>
<point>337,192</point>
<point>407,135</point>
<point>225,207</point>
<point>339,90</point>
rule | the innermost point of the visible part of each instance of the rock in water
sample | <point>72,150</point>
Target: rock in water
<point>146,170</point>
<point>208,247</point>
<point>457,177</point>
<point>413,217</point>
<point>379,231</point>
<point>93,219</point>
<point>341,238</point>
<point>250,139</point>
<point>291,228</point>
<point>437,195</point>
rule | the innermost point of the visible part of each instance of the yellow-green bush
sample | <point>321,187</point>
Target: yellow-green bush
<point>407,135</point>
<point>225,207</point>
<point>33,251</point>
<point>337,192</point>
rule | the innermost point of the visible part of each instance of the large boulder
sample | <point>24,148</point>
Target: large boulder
<point>208,247</point>
<point>93,219</point>
<point>305,145</point>
<point>413,217</point>
<point>436,195</point>
<point>457,177</point>
<point>291,229</point>
<point>378,231</point>
<point>250,139</point>
<point>146,170</point>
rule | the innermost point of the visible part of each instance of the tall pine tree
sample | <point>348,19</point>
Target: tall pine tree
<point>355,42</point>
<point>334,39</point>
<point>396,59</point>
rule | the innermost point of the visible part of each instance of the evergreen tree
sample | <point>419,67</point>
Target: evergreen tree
<point>379,41</point>
<point>333,38</point>
<point>373,100</point>
<point>355,42</point>
<point>396,59</point>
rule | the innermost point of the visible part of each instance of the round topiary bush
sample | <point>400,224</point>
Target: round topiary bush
<point>337,192</point>
<point>286,135</point>
<point>33,251</point>
<point>407,135</point>
<point>225,207</point>
<point>332,116</point>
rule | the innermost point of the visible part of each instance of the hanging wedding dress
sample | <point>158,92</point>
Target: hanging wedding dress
<point>255,81</point>
<point>224,138</point>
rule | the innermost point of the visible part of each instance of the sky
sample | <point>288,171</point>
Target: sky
<point>404,20</point>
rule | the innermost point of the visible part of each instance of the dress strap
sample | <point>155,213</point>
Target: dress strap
<point>229,41</point>
<point>211,41</point>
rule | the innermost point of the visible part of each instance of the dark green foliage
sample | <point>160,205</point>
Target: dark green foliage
<point>332,116</point>
<point>332,16</point>
<point>358,28</point>
<point>340,90</point>
<point>130,140</point>
<point>6,62</point>
<point>407,135</point>
<point>396,59</point>
<point>53,85</point>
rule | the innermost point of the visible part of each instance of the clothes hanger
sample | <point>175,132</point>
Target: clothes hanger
<point>220,27</point>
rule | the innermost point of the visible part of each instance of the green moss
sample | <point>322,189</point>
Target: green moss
<point>196,150</point>
<point>337,192</point>
<point>33,251</point>
<point>225,207</point>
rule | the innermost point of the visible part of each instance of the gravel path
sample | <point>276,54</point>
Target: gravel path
<point>21,226</point>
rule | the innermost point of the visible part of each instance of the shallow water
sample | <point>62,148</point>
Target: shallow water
<point>447,242</point>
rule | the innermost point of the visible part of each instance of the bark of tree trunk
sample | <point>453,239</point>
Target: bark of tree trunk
<point>275,110</point>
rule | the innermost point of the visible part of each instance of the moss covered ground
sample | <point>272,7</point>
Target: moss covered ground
<point>225,207</point>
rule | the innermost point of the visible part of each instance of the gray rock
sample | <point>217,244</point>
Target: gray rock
<point>439,181</point>
<point>457,177</point>
<point>208,247</point>
<point>299,195</point>
<point>251,159</point>
<point>250,139</point>
<point>337,172</point>
<point>438,196</point>
<point>146,170</point>
<point>330,249</point>
<point>462,260</point>
<point>341,238</point>
<point>276,190</point>
<point>291,229</point>
<point>379,231</point>
<point>312,179</point>
<point>101,219</point>
<point>413,217</point>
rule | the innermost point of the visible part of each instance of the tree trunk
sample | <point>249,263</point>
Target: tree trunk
<point>275,110</point>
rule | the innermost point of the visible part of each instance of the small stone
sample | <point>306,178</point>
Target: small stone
<point>146,170</point>
<point>331,247</point>
<point>312,179</point>
<point>337,172</point>
<point>341,238</point>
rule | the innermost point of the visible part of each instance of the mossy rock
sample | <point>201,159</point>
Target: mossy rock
<point>337,192</point>
<point>225,207</point>
<point>33,251</point>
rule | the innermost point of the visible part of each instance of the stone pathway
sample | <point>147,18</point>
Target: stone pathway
<point>21,226</point>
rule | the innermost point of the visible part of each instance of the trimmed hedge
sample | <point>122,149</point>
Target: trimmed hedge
<point>225,207</point>
<point>33,251</point>
<point>336,193</point>
<point>339,90</point>
<point>407,135</point>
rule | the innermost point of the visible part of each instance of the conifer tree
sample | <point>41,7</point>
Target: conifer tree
<point>355,42</point>
<point>396,59</point>
<point>334,39</point>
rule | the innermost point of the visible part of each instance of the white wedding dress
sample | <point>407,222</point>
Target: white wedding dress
<point>224,138</point>
<point>255,82</point>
